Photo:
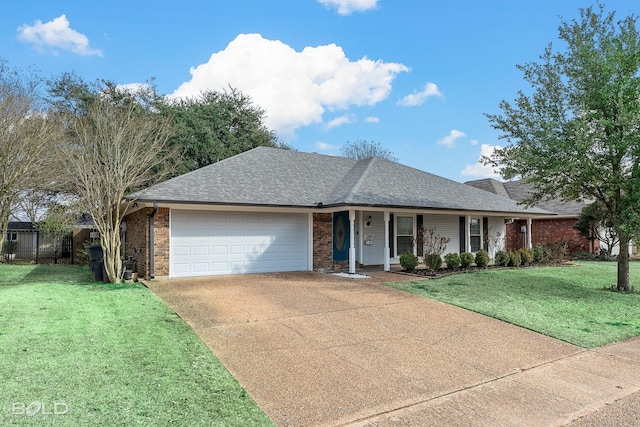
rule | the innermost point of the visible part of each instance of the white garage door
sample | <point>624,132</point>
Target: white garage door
<point>211,243</point>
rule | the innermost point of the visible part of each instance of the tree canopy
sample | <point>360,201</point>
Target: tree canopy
<point>575,134</point>
<point>214,126</point>
<point>362,149</point>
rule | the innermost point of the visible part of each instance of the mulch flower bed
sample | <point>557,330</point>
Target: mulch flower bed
<point>430,274</point>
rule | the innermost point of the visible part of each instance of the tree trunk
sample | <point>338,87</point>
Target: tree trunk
<point>623,264</point>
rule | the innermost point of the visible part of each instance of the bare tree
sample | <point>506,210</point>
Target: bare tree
<point>32,204</point>
<point>26,137</point>
<point>118,145</point>
<point>361,149</point>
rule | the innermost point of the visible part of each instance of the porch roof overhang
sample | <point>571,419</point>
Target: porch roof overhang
<point>336,207</point>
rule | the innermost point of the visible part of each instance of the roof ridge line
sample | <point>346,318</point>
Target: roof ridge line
<point>358,183</point>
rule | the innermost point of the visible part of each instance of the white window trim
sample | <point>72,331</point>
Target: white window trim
<point>396,235</point>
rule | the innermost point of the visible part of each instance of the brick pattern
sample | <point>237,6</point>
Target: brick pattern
<point>547,231</point>
<point>322,240</point>
<point>161,242</point>
<point>137,239</point>
<point>137,243</point>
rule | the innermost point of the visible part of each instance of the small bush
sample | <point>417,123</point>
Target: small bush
<point>514,259</point>
<point>482,258</point>
<point>408,261</point>
<point>555,252</point>
<point>538,253</point>
<point>452,260</point>
<point>502,258</point>
<point>433,261</point>
<point>526,256</point>
<point>466,259</point>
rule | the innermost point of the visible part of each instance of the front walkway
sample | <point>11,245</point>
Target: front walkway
<point>317,349</point>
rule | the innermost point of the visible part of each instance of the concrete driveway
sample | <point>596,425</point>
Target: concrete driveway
<point>318,349</point>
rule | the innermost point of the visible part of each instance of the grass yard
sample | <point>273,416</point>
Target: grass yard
<point>568,303</point>
<point>78,353</point>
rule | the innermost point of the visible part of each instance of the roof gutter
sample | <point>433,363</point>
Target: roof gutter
<point>151,215</point>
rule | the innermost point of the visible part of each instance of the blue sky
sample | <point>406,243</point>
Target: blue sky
<point>414,75</point>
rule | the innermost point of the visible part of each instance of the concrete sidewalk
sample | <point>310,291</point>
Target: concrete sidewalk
<point>316,349</point>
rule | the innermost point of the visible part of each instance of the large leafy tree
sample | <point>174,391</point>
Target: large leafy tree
<point>576,133</point>
<point>214,126</point>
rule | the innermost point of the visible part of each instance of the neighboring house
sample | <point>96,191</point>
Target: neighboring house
<point>544,229</point>
<point>271,210</point>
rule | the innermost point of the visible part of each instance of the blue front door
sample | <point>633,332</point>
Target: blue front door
<point>341,236</point>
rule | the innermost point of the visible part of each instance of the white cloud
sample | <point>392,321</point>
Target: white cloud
<point>372,119</point>
<point>347,7</point>
<point>342,120</point>
<point>479,170</point>
<point>474,142</point>
<point>323,146</point>
<point>56,34</point>
<point>418,98</point>
<point>295,88</point>
<point>450,139</point>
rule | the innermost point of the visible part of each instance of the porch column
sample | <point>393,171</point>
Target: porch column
<point>529,222</point>
<point>387,257</point>
<point>352,246</point>
<point>467,233</point>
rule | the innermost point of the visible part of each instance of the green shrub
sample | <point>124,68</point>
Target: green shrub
<point>408,261</point>
<point>433,261</point>
<point>482,258</point>
<point>538,253</point>
<point>526,256</point>
<point>502,258</point>
<point>452,260</point>
<point>514,259</point>
<point>466,259</point>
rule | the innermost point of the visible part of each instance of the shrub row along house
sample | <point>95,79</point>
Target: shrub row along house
<point>271,210</point>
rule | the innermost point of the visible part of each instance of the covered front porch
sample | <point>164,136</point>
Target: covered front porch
<point>378,237</point>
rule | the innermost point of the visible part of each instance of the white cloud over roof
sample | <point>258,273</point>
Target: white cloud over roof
<point>418,98</point>
<point>295,88</point>
<point>56,34</point>
<point>479,170</point>
<point>347,7</point>
<point>342,120</point>
<point>450,139</point>
<point>320,145</point>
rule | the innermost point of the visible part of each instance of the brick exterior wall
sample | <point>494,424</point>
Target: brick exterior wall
<point>161,240</point>
<point>138,240</point>
<point>547,231</point>
<point>322,240</point>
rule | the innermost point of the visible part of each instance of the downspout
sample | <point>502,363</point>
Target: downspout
<point>151,241</point>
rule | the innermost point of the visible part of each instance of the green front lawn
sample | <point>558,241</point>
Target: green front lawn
<point>77,353</point>
<point>568,303</point>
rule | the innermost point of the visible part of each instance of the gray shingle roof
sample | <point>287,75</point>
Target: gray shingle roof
<point>274,177</point>
<point>518,191</point>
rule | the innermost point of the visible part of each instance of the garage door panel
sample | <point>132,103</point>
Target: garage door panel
<point>212,243</point>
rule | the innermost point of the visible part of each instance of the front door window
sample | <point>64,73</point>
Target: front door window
<point>404,235</point>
